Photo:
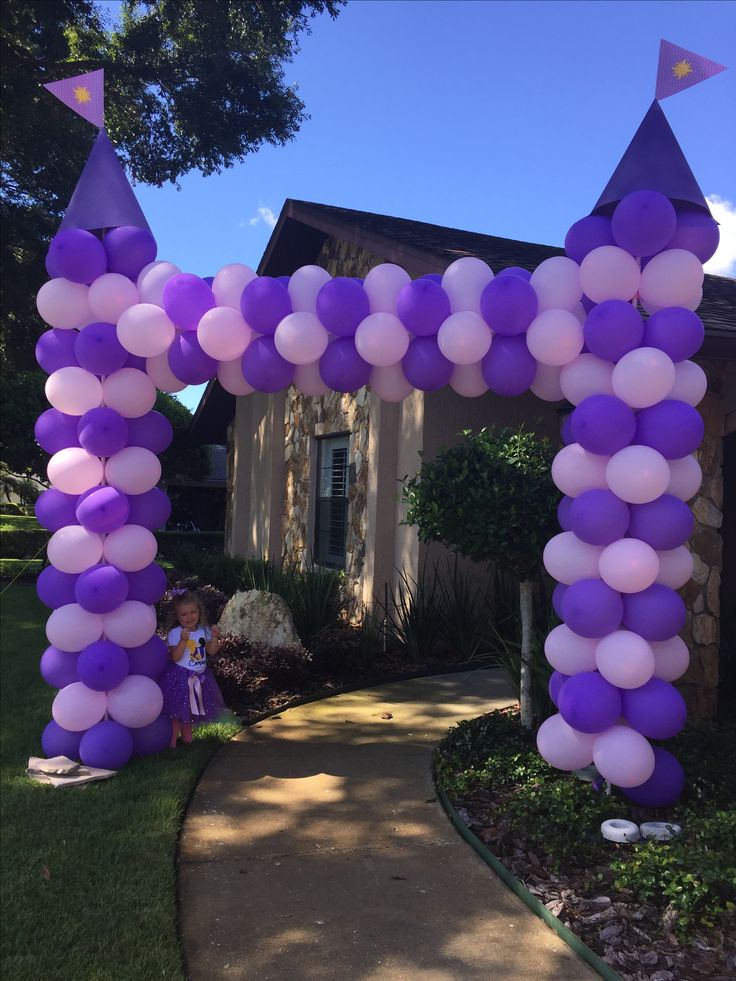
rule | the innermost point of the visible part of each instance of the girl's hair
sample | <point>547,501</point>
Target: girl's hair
<point>179,597</point>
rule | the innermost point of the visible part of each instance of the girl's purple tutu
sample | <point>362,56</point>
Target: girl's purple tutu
<point>174,683</point>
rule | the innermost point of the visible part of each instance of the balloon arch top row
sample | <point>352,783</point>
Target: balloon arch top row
<point>124,324</point>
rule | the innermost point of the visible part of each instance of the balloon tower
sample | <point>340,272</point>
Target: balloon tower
<point>610,327</point>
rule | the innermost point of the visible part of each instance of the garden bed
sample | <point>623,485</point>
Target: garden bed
<point>652,911</point>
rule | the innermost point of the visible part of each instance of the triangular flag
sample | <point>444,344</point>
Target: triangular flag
<point>85,94</point>
<point>680,69</point>
<point>653,161</point>
<point>103,198</point>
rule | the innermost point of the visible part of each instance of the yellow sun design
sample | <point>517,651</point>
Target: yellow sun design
<point>82,94</point>
<point>682,69</point>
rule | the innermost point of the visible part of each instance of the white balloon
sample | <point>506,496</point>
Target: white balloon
<point>383,284</point>
<point>145,330</point>
<point>555,337</point>
<point>300,338</point>
<point>629,565</point>
<point>161,375</point>
<point>691,383</point>
<point>223,334</point>
<point>130,392</point>
<point>308,380</point>
<point>77,707</point>
<point>64,304</point>
<point>110,296</point>
<point>574,470</point>
<point>74,470</point>
<point>132,624</point>
<point>556,282</point>
<point>685,478</point>
<point>130,548</point>
<point>133,470</point>
<point>229,283</point>
<point>609,273</point>
<point>152,279</point>
<point>625,659</point>
<point>671,279</point>
<point>464,337</point>
<point>671,658</point>
<point>567,559</point>
<point>585,376</point>
<point>675,567</point>
<point>468,380</point>
<point>73,549</point>
<point>304,286</point>
<point>73,390</point>
<point>72,628</point>
<point>230,376</point>
<point>643,377</point>
<point>546,384</point>
<point>568,652</point>
<point>389,383</point>
<point>464,281</point>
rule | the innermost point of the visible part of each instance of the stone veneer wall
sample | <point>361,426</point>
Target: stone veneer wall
<point>307,417</point>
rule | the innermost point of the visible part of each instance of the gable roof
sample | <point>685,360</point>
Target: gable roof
<point>420,247</point>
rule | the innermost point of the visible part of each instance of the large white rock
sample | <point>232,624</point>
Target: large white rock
<point>260,617</point>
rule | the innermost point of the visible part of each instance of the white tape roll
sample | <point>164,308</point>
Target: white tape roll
<point>660,830</point>
<point>620,830</point>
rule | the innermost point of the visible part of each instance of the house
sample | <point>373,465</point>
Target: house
<point>318,478</point>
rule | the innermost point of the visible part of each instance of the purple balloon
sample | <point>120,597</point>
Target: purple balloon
<point>508,304</point>
<point>556,680</point>
<point>264,368</point>
<point>107,745</point>
<point>422,306</point>
<point>147,585</point>
<point>341,305</point>
<point>563,513</point>
<point>598,517</point>
<point>55,431</point>
<point>588,234</point>
<point>188,361</point>
<point>129,249</point>
<point>77,255</point>
<point>425,366</point>
<point>98,349</point>
<point>55,510</point>
<point>664,523</point>
<point>516,271</point>
<point>101,588</point>
<point>102,665</point>
<point>55,588</point>
<point>102,510</point>
<point>677,331</point>
<point>697,232</point>
<point>603,424</point>
<point>150,510</point>
<point>566,430</point>
<point>55,349</point>
<point>590,608</point>
<point>153,431</point>
<point>657,710</point>
<point>434,277</point>
<point>612,329</point>
<point>56,741</point>
<point>284,280</point>
<point>589,703</point>
<point>664,786</point>
<point>133,361</point>
<point>59,668</point>
<point>673,428</point>
<point>656,613</point>
<point>264,304</point>
<point>643,223</point>
<point>557,593</point>
<point>51,267</point>
<point>102,431</point>
<point>342,368</point>
<point>186,299</point>
<point>152,738</point>
<point>150,659</point>
<point>508,368</point>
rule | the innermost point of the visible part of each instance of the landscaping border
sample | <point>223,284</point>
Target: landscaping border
<point>519,889</point>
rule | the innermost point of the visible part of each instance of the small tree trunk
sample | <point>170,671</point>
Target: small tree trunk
<point>525,681</point>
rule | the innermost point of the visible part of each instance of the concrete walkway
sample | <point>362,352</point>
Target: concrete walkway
<point>314,850</point>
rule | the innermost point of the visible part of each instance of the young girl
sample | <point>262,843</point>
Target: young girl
<point>191,694</point>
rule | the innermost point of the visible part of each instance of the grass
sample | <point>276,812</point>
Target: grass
<point>18,522</point>
<point>88,874</point>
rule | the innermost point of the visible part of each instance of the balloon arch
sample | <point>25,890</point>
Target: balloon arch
<point>124,324</point>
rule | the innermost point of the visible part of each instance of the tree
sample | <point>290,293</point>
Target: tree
<point>492,499</point>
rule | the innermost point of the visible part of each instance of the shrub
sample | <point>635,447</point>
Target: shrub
<point>413,618</point>
<point>24,543</point>
<point>338,650</point>
<point>212,598</point>
<point>10,508</point>
<point>283,667</point>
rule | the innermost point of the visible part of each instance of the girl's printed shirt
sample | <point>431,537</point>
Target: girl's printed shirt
<point>194,657</point>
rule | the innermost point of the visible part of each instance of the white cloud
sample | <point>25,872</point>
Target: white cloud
<point>263,214</point>
<point>723,262</point>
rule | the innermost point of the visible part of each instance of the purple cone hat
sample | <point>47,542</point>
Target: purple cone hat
<point>103,197</point>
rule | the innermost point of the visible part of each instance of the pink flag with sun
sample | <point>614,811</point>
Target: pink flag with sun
<point>85,94</point>
<point>679,69</point>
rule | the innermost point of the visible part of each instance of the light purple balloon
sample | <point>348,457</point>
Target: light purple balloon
<point>509,368</point>
<point>341,305</point>
<point>78,255</point>
<point>55,509</point>
<point>657,710</point>
<point>643,223</point>
<point>422,306</point>
<point>55,588</point>
<point>264,368</point>
<point>677,331</point>
<point>129,249</point>
<point>150,510</point>
<point>150,659</point>
<point>588,234</point>
<point>59,668</point>
<point>147,585</point>
<point>107,745</point>
<point>603,424</point>
<point>98,349</point>
<point>425,366</point>
<point>55,431</point>
<point>673,428</point>
<point>187,360</point>
<point>665,523</point>
<point>264,304</point>
<point>56,741</point>
<point>152,738</point>
<point>55,349</point>
<point>656,613</point>
<point>697,232</point>
<point>102,431</point>
<point>342,368</point>
<point>102,510</point>
<point>589,703</point>
<point>612,329</point>
<point>590,608</point>
<point>101,588</point>
<point>153,431</point>
<point>102,665</point>
<point>508,304</point>
<point>186,299</point>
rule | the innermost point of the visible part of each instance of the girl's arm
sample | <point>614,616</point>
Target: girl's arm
<point>177,653</point>
<point>213,646</point>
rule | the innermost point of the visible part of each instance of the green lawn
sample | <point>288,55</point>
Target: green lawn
<point>88,876</point>
<point>18,522</point>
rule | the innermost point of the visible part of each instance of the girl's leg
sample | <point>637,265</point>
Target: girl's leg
<point>186,733</point>
<point>175,726</point>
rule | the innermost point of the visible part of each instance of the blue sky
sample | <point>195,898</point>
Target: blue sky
<point>502,117</point>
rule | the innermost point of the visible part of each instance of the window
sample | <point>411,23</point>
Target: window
<point>331,518</point>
